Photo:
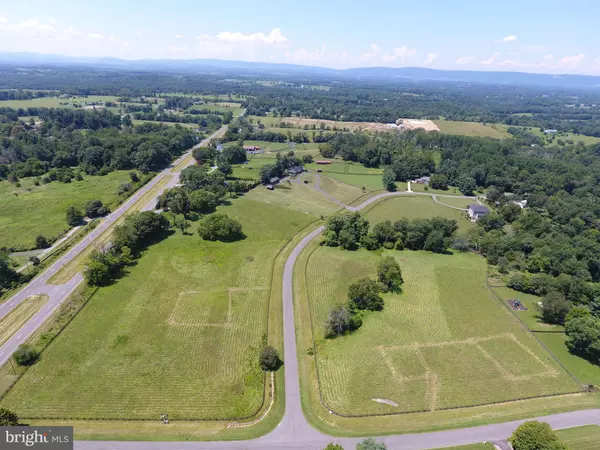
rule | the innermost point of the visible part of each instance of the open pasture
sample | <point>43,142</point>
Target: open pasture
<point>30,210</point>
<point>497,131</point>
<point>445,342</point>
<point>179,335</point>
<point>56,102</point>
<point>414,207</point>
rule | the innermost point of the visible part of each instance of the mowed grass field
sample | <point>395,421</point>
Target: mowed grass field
<point>30,210</point>
<point>179,335</point>
<point>414,207</point>
<point>497,131</point>
<point>445,342</point>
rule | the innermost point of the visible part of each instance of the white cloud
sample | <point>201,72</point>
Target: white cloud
<point>27,28</point>
<point>534,48</point>
<point>571,62</point>
<point>275,37</point>
<point>506,40</point>
<point>430,58</point>
<point>179,36</point>
<point>549,58</point>
<point>51,21</point>
<point>375,48</point>
<point>403,51</point>
<point>465,60</point>
<point>138,32</point>
<point>399,53</point>
<point>491,60</point>
<point>175,49</point>
<point>369,56</point>
<point>96,36</point>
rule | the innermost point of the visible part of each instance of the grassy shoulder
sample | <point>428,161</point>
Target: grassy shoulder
<point>14,320</point>
<point>30,210</point>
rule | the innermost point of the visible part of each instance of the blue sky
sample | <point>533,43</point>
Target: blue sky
<point>525,35</point>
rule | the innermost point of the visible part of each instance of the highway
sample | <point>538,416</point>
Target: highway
<point>57,293</point>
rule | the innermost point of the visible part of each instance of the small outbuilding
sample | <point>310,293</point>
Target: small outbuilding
<point>477,211</point>
<point>422,180</point>
<point>274,180</point>
<point>323,161</point>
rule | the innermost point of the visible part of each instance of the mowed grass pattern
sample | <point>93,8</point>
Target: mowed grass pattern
<point>179,335</point>
<point>443,343</point>
<point>414,207</point>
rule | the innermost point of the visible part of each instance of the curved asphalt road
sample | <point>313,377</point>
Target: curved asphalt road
<point>57,293</point>
<point>294,432</point>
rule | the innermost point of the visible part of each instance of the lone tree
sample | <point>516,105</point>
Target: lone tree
<point>535,435</point>
<point>8,418</point>
<point>364,294</point>
<point>269,359</point>
<point>389,180</point>
<point>220,227</point>
<point>41,241</point>
<point>74,216</point>
<point>555,307</point>
<point>95,208</point>
<point>390,274</point>
<point>332,446</point>
<point>340,321</point>
<point>25,355</point>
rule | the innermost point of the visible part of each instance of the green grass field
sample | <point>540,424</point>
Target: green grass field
<point>158,122</point>
<point>30,210</point>
<point>444,343</point>
<point>457,202</point>
<point>55,102</point>
<point>497,131</point>
<point>369,182</point>
<point>414,207</point>
<point>180,334</point>
<point>531,316</point>
<point>235,108</point>
<point>585,371</point>
<point>416,187</point>
<point>342,191</point>
<point>581,438</point>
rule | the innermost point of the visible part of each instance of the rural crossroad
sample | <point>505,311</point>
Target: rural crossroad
<point>57,293</point>
<point>294,432</point>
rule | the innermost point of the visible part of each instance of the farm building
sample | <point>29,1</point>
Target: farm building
<point>477,211</point>
<point>322,161</point>
<point>550,131</point>
<point>296,170</point>
<point>253,149</point>
<point>422,180</point>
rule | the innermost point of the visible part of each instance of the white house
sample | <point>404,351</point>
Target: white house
<point>477,211</point>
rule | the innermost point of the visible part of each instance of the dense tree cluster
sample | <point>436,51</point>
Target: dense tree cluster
<point>346,230</point>
<point>58,145</point>
<point>138,231</point>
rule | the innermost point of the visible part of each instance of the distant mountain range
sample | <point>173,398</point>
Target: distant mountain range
<point>253,68</point>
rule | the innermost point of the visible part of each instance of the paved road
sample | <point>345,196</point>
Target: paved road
<point>57,293</point>
<point>294,432</point>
